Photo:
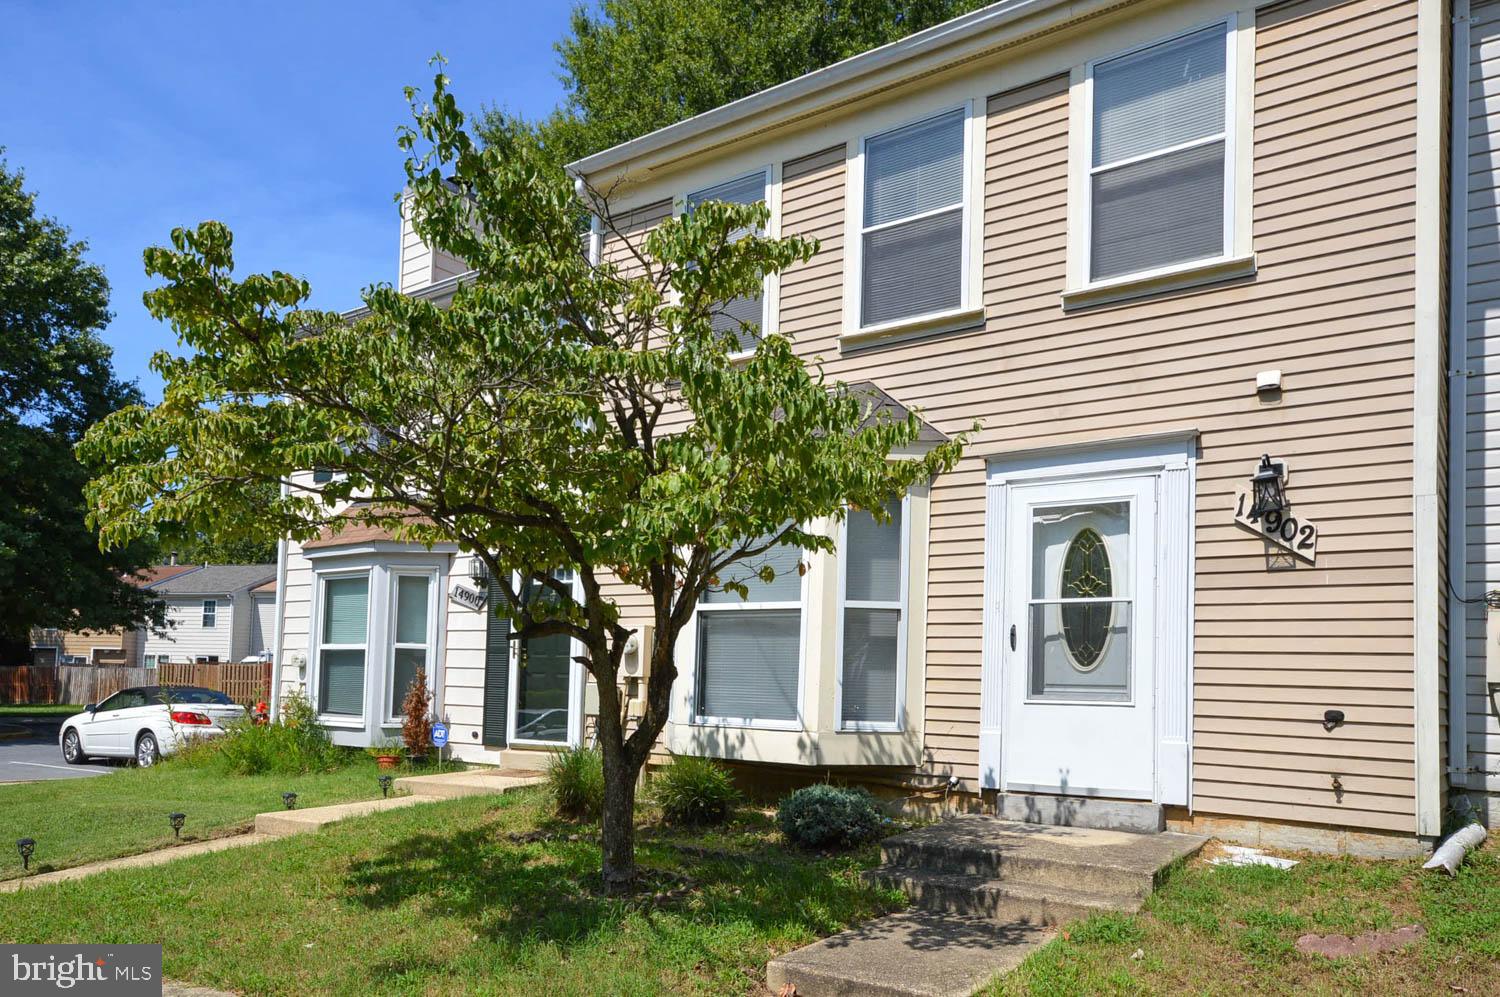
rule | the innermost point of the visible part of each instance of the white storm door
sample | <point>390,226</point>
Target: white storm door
<point>1079,637</point>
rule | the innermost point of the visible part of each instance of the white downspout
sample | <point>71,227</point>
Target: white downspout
<point>278,660</point>
<point>1458,391</point>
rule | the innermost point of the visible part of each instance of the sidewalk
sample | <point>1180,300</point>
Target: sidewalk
<point>280,823</point>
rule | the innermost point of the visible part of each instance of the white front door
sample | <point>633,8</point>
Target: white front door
<point>1079,637</point>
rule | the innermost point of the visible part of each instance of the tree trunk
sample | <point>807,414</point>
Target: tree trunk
<point>619,815</point>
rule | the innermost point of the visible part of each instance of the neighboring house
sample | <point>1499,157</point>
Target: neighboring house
<point>1146,244</point>
<point>104,647</point>
<point>212,614</point>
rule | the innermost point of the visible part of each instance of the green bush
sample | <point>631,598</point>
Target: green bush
<point>292,746</point>
<point>826,816</point>
<point>694,791</point>
<point>576,778</point>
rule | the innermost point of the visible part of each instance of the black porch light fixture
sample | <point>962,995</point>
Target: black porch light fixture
<point>289,800</point>
<point>25,846</point>
<point>479,574</point>
<point>1268,487</point>
<point>176,820</point>
<point>385,785</point>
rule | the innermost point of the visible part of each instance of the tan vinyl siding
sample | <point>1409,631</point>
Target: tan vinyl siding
<point>1334,175</point>
<point>1481,535</point>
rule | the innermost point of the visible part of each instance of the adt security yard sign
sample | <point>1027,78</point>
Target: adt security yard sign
<point>439,735</point>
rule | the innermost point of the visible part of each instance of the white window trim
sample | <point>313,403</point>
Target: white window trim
<point>392,645</point>
<point>903,607</point>
<point>969,311</point>
<point>1235,258</point>
<point>753,723</point>
<point>577,679</point>
<point>318,646</point>
<point>210,614</point>
<point>771,287</point>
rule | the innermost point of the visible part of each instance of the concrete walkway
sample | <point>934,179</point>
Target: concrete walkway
<point>280,823</point>
<point>159,857</point>
<point>987,892</point>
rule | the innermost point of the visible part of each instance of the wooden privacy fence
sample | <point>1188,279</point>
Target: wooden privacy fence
<point>244,682</point>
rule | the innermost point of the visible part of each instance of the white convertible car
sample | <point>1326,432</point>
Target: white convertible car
<point>146,723</point>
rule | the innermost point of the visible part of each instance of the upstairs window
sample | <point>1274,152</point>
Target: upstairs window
<point>912,227</point>
<point>1159,161</point>
<point>739,320</point>
<point>210,614</point>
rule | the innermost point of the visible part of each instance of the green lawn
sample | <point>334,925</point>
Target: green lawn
<point>82,820</point>
<point>60,710</point>
<point>1227,930</point>
<point>437,898</point>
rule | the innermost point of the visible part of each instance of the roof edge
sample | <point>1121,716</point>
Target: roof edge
<point>751,112</point>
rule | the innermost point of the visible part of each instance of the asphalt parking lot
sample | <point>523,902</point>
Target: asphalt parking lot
<point>29,751</point>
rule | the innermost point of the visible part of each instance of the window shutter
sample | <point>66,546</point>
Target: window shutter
<point>748,664</point>
<point>496,669</point>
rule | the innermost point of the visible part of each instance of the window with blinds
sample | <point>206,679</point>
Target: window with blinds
<point>872,614</point>
<point>912,232</point>
<point>738,320</point>
<point>410,647</point>
<point>750,651</point>
<point>342,645</point>
<point>1159,166</point>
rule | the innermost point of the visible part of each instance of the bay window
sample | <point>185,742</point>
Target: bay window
<point>872,619</point>
<point>749,651</point>
<point>342,644</point>
<point>1159,167</point>
<point>411,636</point>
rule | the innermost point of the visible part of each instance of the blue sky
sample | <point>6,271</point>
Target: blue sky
<point>132,117</point>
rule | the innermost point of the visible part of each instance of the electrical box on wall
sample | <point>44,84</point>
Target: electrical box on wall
<point>636,661</point>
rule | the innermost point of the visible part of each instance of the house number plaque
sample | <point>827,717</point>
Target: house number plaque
<point>1298,537</point>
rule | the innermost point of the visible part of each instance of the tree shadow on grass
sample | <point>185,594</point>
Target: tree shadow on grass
<point>549,892</point>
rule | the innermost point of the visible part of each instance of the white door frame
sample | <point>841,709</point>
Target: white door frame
<point>577,677</point>
<point>1172,459</point>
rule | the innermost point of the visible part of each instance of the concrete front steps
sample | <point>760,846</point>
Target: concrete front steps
<point>987,892</point>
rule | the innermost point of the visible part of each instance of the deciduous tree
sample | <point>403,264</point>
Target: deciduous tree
<point>55,380</point>
<point>558,413</point>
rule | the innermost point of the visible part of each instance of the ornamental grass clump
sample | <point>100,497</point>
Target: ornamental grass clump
<point>576,779</point>
<point>694,792</point>
<point>829,817</point>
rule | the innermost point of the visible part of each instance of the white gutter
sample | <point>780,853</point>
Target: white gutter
<point>817,90</point>
<point>1458,391</point>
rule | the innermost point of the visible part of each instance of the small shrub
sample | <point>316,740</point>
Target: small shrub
<point>294,746</point>
<point>826,816</point>
<point>576,778</point>
<point>416,708</point>
<point>694,791</point>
